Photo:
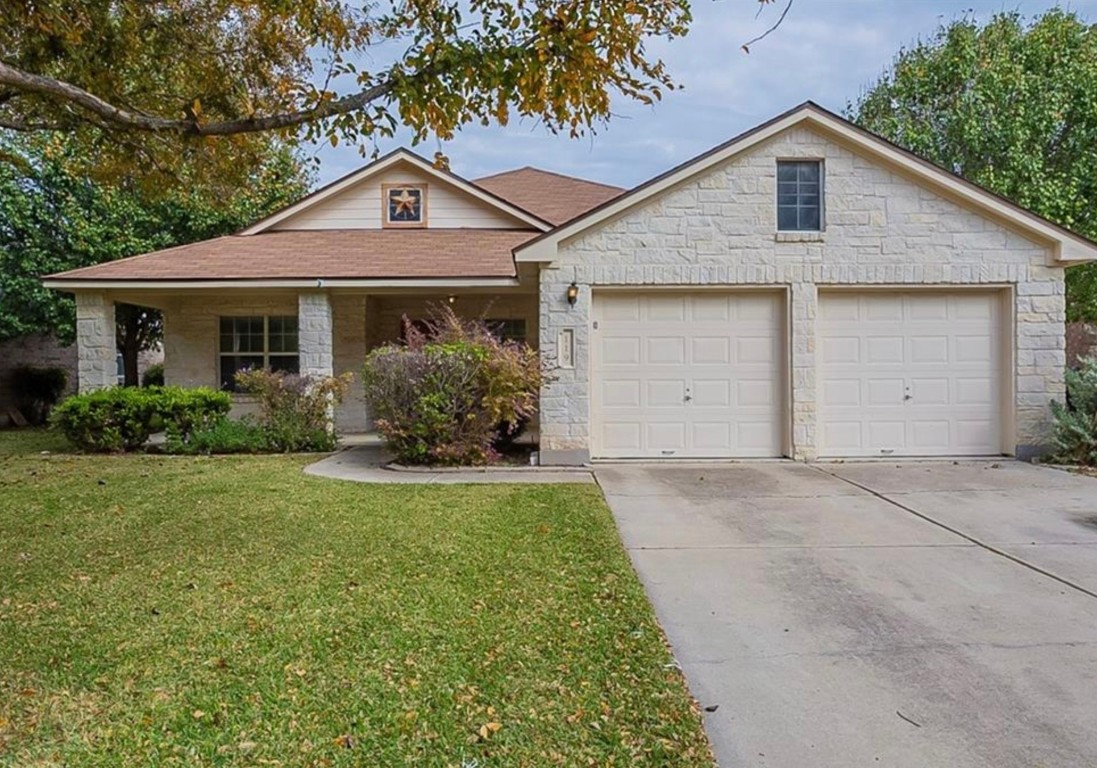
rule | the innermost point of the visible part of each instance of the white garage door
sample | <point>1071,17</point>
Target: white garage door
<point>686,375</point>
<point>910,374</point>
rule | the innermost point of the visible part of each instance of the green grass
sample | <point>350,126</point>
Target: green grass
<point>232,611</point>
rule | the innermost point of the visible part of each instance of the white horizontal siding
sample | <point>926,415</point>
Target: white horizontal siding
<point>360,207</point>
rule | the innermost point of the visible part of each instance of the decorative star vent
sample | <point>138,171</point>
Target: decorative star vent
<point>405,206</point>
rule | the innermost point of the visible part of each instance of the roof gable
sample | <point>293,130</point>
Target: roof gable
<point>1067,246</point>
<point>355,201</point>
<point>552,196</point>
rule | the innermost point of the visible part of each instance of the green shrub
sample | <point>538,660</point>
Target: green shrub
<point>123,418</point>
<point>295,410</point>
<point>1076,422</point>
<point>153,376</point>
<point>222,435</point>
<point>37,390</point>
<point>443,396</point>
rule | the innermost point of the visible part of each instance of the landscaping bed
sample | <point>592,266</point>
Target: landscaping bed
<point>233,611</point>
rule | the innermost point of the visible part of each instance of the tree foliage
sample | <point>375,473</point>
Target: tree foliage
<point>170,82</point>
<point>1010,105</point>
<point>52,218</point>
<point>161,79</point>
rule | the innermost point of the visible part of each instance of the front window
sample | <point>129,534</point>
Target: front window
<point>257,342</point>
<point>799,196</point>
<point>510,329</point>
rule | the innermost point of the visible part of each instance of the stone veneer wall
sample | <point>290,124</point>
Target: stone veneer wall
<point>881,229</point>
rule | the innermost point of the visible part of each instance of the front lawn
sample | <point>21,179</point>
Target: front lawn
<point>232,611</point>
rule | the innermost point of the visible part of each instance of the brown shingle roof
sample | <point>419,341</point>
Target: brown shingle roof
<point>552,196</point>
<point>328,254</point>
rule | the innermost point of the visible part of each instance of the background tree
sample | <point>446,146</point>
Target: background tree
<point>1011,106</point>
<point>174,81</point>
<point>53,218</point>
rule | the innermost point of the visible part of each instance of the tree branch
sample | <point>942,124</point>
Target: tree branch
<point>764,35</point>
<point>60,90</point>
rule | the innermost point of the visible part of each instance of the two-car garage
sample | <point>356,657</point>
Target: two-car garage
<point>706,374</point>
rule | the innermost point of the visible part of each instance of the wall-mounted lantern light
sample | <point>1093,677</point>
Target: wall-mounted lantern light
<point>451,299</point>
<point>573,294</point>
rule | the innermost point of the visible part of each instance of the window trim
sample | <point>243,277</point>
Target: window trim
<point>388,223</point>
<point>266,353</point>
<point>821,164</point>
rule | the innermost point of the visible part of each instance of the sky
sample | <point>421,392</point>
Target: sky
<point>827,51</point>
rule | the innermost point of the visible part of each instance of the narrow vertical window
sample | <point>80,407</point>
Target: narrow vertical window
<point>799,196</point>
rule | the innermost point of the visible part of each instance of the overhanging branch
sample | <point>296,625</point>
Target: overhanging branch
<point>60,90</point>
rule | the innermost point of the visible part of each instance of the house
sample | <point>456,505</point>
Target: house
<point>806,289</point>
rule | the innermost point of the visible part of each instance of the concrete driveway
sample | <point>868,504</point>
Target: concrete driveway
<point>918,614</point>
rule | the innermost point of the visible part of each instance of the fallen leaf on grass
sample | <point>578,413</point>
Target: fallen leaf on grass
<point>487,729</point>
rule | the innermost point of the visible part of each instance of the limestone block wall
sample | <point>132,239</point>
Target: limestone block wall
<point>96,350</point>
<point>881,229</point>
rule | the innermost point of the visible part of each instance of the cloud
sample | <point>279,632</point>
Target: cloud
<point>826,51</point>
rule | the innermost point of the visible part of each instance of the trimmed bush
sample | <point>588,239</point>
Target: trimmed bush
<point>1076,422</point>
<point>443,396</point>
<point>153,376</point>
<point>123,418</point>
<point>37,390</point>
<point>295,410</point>
<point>222,435</point>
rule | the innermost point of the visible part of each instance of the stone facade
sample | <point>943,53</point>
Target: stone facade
<point>96,357</point>
<point>881,229</point>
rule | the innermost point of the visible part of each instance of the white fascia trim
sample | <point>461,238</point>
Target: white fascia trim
<point>400,156</point>
<point>62,284</point>
<point>1067,247</point>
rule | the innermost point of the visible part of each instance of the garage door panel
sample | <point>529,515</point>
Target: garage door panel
<point>975,349</point>
<point>976,391</point>
<point>666,350</point>
<point>714,393</point>
<point>711,350</point>
<point>622,393</point>
<point>663,393</point>
<point>621,436</point>
<point>711,308</point>
<point>842,349</point>
<point>928,383</point>
<point>622,308</point>
<point>882,350</point>
<point>621,350</point>
<point>705,369</point>
<point>928,350</point>
<point>755,349</point>
<point>842,392</point>
<point>879,308</point>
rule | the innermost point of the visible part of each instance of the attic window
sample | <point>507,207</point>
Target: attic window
<point>405,205</point>
<point>799,196</point>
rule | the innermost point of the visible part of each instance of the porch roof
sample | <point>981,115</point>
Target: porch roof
<point>341,254</point>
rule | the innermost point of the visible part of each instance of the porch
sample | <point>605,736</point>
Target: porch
<point>209,334</point>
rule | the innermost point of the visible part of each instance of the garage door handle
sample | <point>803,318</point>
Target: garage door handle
<point>687,398</point>
<point>908,397</point>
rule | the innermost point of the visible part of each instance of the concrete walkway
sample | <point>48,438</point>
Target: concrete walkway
<point>911,615</point>
<point>365,463</point>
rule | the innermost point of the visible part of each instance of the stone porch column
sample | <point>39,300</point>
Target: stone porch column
<point>314,333</point>
<point>804,300</point>
<point>96,349</point>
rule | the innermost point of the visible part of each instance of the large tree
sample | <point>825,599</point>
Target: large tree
<point>54,218</point>
<point>162,79</point>
<point>1011,105</point>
